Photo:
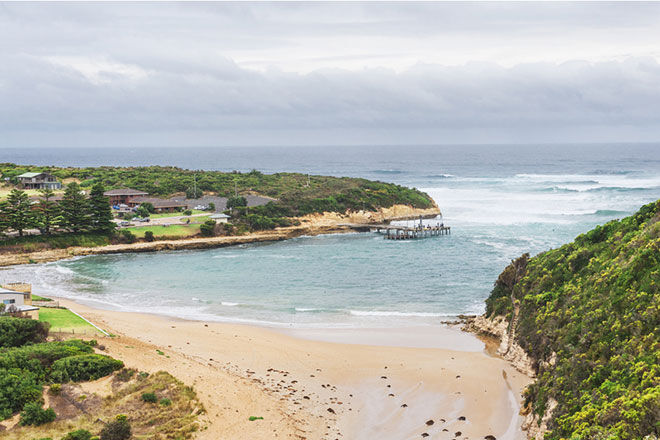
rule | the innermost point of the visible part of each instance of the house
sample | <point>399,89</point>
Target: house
<point>39,181</point>
<point>18,298</point>
<point>123,196</point>
<point>220,218</point>
<point>160,205</point>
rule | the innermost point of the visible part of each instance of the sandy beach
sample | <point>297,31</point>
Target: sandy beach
<point>409,383</point>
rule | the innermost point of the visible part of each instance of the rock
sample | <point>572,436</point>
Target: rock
<point>405,405</point>
<point>429,422</point>
<point>457,434</point>
<point>461,418</point>
<point>332,411</point>
<point>490,437</point>
<point>425,434</point>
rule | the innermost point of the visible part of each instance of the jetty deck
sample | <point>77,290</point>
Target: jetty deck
<point>394,232</point>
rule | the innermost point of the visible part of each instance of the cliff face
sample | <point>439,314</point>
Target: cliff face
<point>585,320</point>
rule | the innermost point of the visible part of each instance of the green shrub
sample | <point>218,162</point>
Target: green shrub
<point>165,401</point>
<point>15,332</point>
<point>17,388</point>
<point>187,212</point>
<point>84,367</point>
<point>236,202</point>
<point>55,389</point>
<point>80,434</point>
<point>118,429</point>
<point>39,357</point>
<point>149,397</point>
<point>33,414</point>
<point>142,212</point>
<point>125,374</point>
<point>207,229</point>
<point>149,236</point>
<point>126,236</point>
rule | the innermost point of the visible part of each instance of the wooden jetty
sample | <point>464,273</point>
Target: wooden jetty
<point>401,232</point>
<point>411,233</point>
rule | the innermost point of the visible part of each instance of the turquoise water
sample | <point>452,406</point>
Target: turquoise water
<point>500,202</point>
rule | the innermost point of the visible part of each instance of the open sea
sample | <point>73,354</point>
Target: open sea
<point>500,201</point>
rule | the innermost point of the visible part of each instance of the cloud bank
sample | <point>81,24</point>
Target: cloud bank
<point>196,74</point>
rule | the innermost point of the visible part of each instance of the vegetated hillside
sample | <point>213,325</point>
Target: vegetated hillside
<point>151,406</point>
<point>588,313</point>
<point>297,194</point>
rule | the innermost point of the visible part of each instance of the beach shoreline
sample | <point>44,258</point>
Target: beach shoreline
<point>366,383</point>
<point>310,225</point>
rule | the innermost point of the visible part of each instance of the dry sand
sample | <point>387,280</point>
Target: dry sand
<point>404,384</point>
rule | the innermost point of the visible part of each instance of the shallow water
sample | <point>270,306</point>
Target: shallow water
<point>500,201</point>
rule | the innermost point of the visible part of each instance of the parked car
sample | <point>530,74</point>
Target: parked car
<point>124,224</point>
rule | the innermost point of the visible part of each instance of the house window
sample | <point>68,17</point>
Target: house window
<point>8,301</point>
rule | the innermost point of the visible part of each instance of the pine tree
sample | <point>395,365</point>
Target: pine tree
<point>100,212</point>
<point>4,217</point>
<point>48,213</point>
<point>75,209</point>
<point>19,212</point>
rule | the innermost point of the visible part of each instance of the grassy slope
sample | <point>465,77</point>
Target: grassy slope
<point>595,303</point>
<point>149,421</point>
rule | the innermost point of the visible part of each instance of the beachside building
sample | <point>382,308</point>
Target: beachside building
<point>17,298</point>
<point>123,196</point>
<point>38,181</point>
<point>160,205</point>
<point>220,218</point>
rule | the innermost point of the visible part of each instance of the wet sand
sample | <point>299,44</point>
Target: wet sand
<point>325,383</point>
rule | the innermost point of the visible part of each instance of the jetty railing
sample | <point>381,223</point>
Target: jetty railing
<point>394,232</point>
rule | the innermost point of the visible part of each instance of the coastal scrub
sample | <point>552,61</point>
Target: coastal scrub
<point>588,314</point>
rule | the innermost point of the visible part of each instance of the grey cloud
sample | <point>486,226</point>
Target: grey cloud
<point>182,88</point>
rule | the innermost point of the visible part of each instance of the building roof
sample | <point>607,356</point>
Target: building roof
<point>125,192</point>
<point>30,175</point>
<point>219,216</point>
<point>6,291</point>
<point>159,203</point>
<point>25,307</point>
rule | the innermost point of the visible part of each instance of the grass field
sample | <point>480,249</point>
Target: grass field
<point>39,298</point>
<point>64,320</point>
<point>171,231</point>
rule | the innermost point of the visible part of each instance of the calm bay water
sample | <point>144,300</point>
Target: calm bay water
<point>501,201</point>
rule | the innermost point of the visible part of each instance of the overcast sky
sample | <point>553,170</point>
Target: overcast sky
<point>175,74</point>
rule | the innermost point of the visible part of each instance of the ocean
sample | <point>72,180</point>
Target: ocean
<point>500,200</point>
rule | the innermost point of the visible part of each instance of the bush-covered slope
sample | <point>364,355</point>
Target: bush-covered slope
<point>588,313</point>
<point>297,194</point>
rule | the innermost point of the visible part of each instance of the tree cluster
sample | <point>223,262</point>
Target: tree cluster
<point>74,213</point>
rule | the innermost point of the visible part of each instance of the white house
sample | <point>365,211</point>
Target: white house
<point>14,301</point>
